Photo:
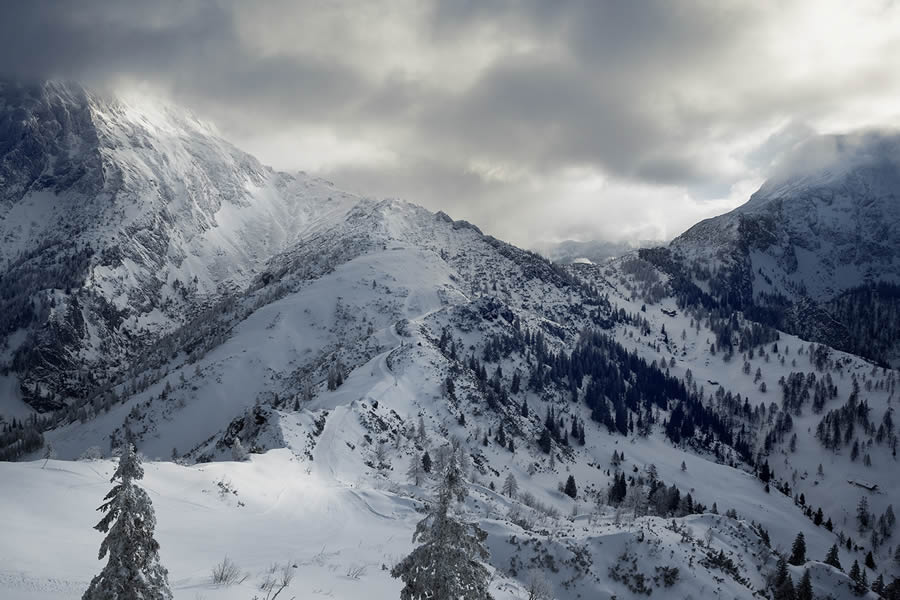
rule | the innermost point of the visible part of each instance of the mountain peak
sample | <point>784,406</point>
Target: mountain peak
<point>821,233</point>
<point>150,212</point>
<point>869,159</point>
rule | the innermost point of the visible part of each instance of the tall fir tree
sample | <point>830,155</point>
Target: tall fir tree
<point>510,486</point>
<point>570,488</point>
<point>133,571</point>
<point>545,442</point>
<point>858,576</point>
<point>783,586</point>
<point>804,588</point>
<point>416,472</point>
<point>833,558</point>
<point>798,550</point>
<point>447,563</point>
<point>862,514</point>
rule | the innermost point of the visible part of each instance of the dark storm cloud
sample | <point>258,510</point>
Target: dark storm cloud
<point>584,106</point>
<point>602,98</point>
<point>542,112</point>
<point>47,39</point>
<point>481,105</point>
<point>192,49</point>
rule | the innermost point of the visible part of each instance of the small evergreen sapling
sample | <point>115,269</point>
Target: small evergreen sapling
<point>49,453</point>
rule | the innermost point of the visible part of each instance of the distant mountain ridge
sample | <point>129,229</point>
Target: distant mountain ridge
<point>596,251</point>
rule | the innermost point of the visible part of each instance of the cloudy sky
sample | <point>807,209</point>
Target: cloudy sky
<point>537,119</point>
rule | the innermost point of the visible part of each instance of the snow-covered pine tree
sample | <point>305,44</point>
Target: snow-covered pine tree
<point>446,564</point>
<point>783,587</point>
<point>421,435</point>
<point>571,489</point>
<point>510,486</point>
<point>798,551</point>
<point>133,571</point>
<point>862,514</point>
<point>858,576</point>
<point>804,589</point>
<point>415,473</point>
<point>238,452</point>
<point>833,558</point>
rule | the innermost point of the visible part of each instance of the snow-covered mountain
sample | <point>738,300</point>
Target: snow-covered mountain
<point>119,219</point>
<point>348,338</point>
<point>817,249</point>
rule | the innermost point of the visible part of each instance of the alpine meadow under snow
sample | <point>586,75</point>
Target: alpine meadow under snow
<point>277,389</point>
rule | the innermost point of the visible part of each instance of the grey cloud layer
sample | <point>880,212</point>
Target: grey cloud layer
<point>486,107</point>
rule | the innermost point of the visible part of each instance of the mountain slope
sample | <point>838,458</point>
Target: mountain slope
<point>373,298</point>
<point>816,250</point>
<point>118,220</point>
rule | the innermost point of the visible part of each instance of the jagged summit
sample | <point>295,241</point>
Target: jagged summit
<point>147,218</point>
<point>48,141</point>
<point>120,217</point>
<point>828,222</point>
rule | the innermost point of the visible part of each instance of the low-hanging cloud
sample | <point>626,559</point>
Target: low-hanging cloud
<point>538,120</point>
<point>833,154</point>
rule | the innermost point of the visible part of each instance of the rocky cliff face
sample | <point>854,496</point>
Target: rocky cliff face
<point>826,228</point>
<point>119,219</point>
